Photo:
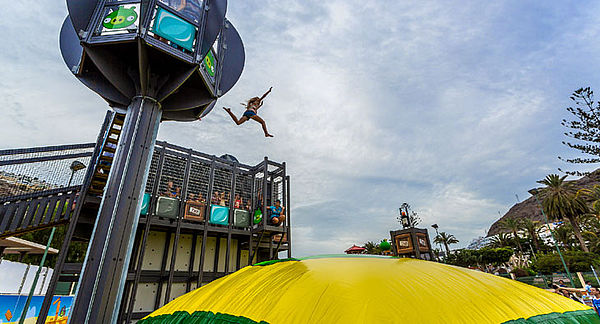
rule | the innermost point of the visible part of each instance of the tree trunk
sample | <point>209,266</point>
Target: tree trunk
<point>536,243</point>
<point>447,249</point>
<point>577,232</point>
<point>518,241</point>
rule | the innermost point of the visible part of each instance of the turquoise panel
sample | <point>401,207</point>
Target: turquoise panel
<point>175,29</point>
<point>219,215</point>
<point>145,203</point>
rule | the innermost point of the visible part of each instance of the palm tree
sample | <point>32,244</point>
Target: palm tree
<point>532,228</point>
<point>372,248</point>
<point>594,195</point>
<point>446,240</point>
<point>559,200</point>
<point>513,225</point>
<point>564,235</point>
<point>501,240</point>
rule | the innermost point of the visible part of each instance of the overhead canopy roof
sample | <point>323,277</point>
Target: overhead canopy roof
<point>14,245</point>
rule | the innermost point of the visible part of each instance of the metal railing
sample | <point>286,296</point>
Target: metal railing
<point>38,169</point>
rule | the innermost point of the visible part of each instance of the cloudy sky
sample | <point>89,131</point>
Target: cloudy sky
<point>451,106</point>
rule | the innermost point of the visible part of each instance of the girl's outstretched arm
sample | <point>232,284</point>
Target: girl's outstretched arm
<point>266,93</point>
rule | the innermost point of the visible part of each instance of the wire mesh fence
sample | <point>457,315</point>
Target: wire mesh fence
<point>202,191</point>
<point>25,171</point>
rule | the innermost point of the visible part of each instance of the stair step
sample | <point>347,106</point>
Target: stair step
<point>96,192</point>
<point>106,158</point>
<point>119,119</point>
<point>109,149</point>
<point>114,131</point>
<point>99,175</point>
<point>112,140</point>
<point>98,183</point>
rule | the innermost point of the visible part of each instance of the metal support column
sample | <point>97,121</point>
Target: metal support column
<point>182,199</point>
<point>263,203</point>
<point>188,283</point>
<point>150,214</point>
<point>105,269</point>
<point>231,215</point>
<point>288,218</point>
<point>211,181</point>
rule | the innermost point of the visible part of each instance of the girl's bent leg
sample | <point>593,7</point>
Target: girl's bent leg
<point>264,125</point>
<point>237,121</point>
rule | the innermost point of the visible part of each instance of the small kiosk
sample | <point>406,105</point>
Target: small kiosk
<point>411,243</point>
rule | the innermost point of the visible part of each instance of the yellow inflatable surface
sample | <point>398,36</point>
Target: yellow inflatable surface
<point>359,289</point>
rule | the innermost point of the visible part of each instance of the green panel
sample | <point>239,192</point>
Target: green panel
<point>63,288</point>
<point>241,218</point>
<point>199,318</point>
<point>167,207</point>
<point>582,317</point>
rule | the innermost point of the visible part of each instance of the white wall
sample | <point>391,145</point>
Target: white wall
<point>11,276</point>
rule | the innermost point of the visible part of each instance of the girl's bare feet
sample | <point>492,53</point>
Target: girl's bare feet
<point>227,109</point>
<point>268,135</point>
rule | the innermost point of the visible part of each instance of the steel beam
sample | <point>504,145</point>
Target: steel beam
<point>102,282</point>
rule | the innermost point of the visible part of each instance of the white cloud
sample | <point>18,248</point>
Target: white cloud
<point>452,108</point>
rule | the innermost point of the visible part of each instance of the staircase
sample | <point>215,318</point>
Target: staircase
<point>36,210</point>
<point>106,156</point>
<point>82,224</point>
<point>270,238</point>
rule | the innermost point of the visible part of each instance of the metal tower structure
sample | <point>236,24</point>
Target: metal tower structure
<point>154,60</point>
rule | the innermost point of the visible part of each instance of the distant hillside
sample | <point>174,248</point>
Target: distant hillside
<point>529,208</point>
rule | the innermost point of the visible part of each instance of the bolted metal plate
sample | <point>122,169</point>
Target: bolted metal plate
<point>80,12</point>
<point>233,58</point>
<point>70,48</point>
<point>214,21</point>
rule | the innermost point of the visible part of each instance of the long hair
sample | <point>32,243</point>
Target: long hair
<point>251,100</point>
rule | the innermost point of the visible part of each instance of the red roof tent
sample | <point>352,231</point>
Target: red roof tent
<point>354,249</point>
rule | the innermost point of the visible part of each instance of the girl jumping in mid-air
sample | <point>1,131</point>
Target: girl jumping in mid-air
<point>250,113</point>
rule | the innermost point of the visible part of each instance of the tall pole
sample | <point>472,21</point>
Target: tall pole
<point>71,178</point>
<point>37,276</point>
<point>554,240</point>
<point>104,272</point>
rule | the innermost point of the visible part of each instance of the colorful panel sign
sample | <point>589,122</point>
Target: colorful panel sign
<point>210,64</point>
<point>422,240</point>
<point>403,243</point>
<point>174,29</point>
<point>11,308</point>
<point>121,19</point>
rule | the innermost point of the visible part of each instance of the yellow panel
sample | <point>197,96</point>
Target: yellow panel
<point>170,252</point>
<point>144,297</point>
<point>154,250</point>
<point>177,289</point>
<point>370,290</point>
<point>198,253</point>
<point>233,255</point>
<point>184,250</point>
<point>244,256</point>
<point>222,254</point>
<point>209,254</point>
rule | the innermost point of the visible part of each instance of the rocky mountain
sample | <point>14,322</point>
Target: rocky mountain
<point>530,209</point>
